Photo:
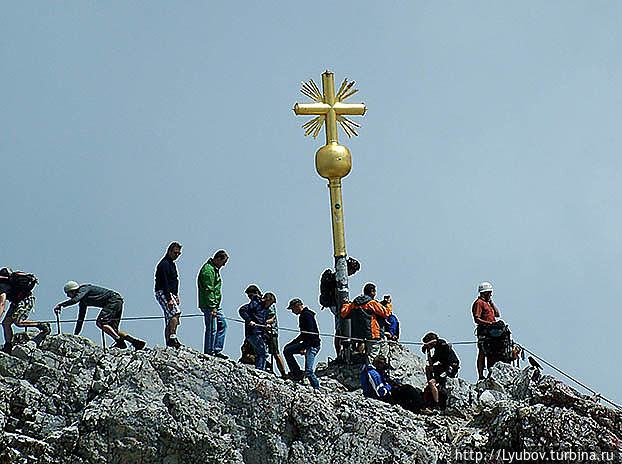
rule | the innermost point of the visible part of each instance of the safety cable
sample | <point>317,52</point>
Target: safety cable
<point>287,329</point>
<point>329,335</point>
<point>596,394</point>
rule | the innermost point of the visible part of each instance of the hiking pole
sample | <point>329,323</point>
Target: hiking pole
<point>57,322</point>
<point>104,340</point>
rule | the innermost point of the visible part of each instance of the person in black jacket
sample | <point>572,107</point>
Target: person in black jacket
<point>328,299</point>
<point>167,293</point>
<point>307,344</point>
<point>442,363</point>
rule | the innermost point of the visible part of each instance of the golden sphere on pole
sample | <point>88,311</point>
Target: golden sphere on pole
<point>333,161</point>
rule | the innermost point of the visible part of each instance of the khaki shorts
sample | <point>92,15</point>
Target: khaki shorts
<point>272,342</point>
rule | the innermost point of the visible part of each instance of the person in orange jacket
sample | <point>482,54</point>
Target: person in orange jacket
<point>364,313</point>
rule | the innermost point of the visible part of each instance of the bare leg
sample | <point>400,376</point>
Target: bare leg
<point>110,331</point>
<point>433,390</point>
<point>26,323</point>
<point>171,328</point>
<point>8,331</point>
<point>2,303</point>
<point>279,363</point>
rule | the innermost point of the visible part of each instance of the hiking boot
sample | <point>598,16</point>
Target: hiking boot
<point>173,342</point>
<point>427,412</point>
<point>120,343</point>
<point>221,355</point>
<point>296,376</point>
<point>137,344</point>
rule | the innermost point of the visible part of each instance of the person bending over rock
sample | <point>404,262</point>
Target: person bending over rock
<point>111,304</point>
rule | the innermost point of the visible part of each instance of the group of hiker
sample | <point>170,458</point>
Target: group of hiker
<point>372,326</point>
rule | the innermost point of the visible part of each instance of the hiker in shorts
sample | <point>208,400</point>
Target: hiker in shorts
<point>167,293</point>
<point>442,363</point>
<point>484,312</point>
<point>328,299</point>
<point>111,304</point>
<point>16,287</point>
<point>271,334</point>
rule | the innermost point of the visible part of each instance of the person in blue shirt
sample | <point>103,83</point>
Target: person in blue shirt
<point>391,328</point>
<point>254,315</point>
<point>377,384</point>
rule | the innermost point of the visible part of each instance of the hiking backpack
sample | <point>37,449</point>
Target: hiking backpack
<point>498,344</point>
<point>328,289</point>
<point>22,282</point>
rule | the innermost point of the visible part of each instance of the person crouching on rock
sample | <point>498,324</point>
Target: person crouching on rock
<point>111,304</point>
<point>442,364</point>
<point>376,384</point>
<point>307,344</point>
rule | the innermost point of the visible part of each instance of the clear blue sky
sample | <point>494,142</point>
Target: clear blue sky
<point>491,151</point>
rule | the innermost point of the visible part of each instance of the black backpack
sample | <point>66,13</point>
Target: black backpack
<point>498,344</point>
<point>328,289</point>
<point>22,282</point>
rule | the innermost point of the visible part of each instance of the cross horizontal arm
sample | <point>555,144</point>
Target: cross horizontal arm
<point>356,109</point>
<point>311,108</point>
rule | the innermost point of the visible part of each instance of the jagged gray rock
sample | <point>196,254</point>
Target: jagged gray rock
<point>67,401</point>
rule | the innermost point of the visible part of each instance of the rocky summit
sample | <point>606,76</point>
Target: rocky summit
<point>66,401</point>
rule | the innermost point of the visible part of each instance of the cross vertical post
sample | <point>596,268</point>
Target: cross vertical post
<point>333,162</point>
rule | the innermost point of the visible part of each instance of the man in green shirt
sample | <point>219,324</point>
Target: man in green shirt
<point>210,296</point>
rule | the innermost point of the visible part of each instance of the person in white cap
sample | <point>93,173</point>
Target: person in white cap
<point>111,304</point>
<point>484,312</point>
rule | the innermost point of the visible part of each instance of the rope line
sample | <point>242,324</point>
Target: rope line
<point>330,335</point>
<point>596,394</point>
<point>266,326</point>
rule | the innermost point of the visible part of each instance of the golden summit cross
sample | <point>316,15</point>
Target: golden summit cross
<point>329,107</point>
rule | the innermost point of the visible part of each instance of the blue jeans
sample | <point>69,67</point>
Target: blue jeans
<point>295,348</point>
<point>260,350</point>
<point>215,330</point>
